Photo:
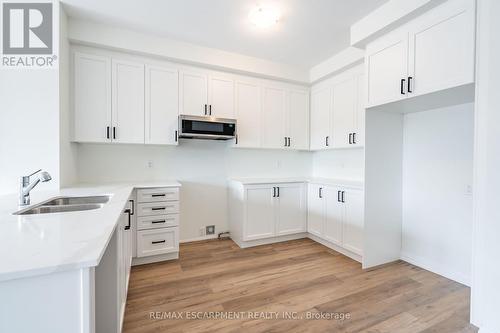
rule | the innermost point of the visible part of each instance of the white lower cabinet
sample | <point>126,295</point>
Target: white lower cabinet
<point>335,214</point>
<point>290,209</point>
<point>157,241</point>
<point>266,212</point>
<point>157,235</point>
<point>124,257</point>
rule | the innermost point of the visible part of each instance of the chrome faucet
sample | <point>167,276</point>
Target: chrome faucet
<point>26,186</point>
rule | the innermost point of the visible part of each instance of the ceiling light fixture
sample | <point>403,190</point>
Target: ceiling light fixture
<point>264,16</point>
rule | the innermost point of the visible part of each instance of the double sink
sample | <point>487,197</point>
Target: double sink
<point>66,204</point>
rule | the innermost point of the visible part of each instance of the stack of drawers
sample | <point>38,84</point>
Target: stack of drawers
<point>157,221</point>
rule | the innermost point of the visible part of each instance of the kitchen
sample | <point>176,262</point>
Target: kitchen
<point>207,170</point>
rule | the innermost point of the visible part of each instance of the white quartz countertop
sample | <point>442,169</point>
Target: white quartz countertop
<point>46,243</point>
<point>323,181</point>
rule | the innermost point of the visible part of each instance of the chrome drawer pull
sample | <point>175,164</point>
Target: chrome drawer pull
<point>158,242</point>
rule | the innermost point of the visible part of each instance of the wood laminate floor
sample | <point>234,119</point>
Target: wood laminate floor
<point>300,279</point>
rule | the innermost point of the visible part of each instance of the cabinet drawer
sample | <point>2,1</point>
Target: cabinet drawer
<point>157,241</point>
<point>157,208</point>
<point>159,221</point>
<point>158,194</point>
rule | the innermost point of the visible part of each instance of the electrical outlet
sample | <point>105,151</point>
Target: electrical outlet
<point>210,229</point>
<point>468,189</point>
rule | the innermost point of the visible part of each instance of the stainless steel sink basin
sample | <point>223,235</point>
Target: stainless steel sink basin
<point>100,199</point>
<point>66,204</point>
<point>58,209</point>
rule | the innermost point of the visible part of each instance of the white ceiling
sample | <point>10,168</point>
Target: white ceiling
<point>309,31</point>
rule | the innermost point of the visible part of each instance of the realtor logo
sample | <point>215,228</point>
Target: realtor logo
<point>27,28</point>
<point>27,34</point>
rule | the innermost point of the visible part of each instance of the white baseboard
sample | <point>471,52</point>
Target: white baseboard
<point>197,239</point>
<point>438,269</point>
<point>335,247</point>
<point>157,258</point>
<point>265,241</point>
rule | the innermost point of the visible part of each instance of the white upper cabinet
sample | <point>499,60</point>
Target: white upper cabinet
<point>92,98</point>
<point>298,119</point>
<point>291,210</point>
<point>123,101</point>
<point>127,102</point>
<point>206,94</point>
<point>441,48</point>
<point>162,105</point>
<point>273,117</point>
<point>271,114</point>
<point>193,93</point>
<point>321,104</point>
<point>386,62</point>
<point>337,111</point>
<point>344,112</point>
<point>221,96</point>
<point>433,52</point>
<point>359,124</point>
<point>248,113</point>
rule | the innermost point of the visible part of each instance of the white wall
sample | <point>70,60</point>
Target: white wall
<point>486,270</point>
<point>203,168</point>
<point>67,150</point>
<point>437,204</point>
<point>339,163</point>
<point>29,126</point>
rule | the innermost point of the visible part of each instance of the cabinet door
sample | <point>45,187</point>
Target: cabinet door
<point>298,119</point>
<point>248,114</point>
<point>291,209</point>
<point>273,117</point>
<point>92,98</point>
<point>359,119</point>
<point>260,216</point>
<point>128,102</point>
<point>353,221</point>
<point>193,93</point>
<point>334,215</point>
<point>386,65</point>
<point>343,112</point>
<point>315,209</point>
<point>321,101</point>
<point>442,48</point>
<point>162,105</point>
<point>221,97</point>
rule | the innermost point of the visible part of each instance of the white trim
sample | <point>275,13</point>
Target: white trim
<point>157,258</point>
<point>438,269</point>
<point>335,247</point>
<point>270,240</point>
<point>197,239</point>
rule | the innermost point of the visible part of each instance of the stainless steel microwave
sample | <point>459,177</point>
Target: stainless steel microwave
<point>206,127</point>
